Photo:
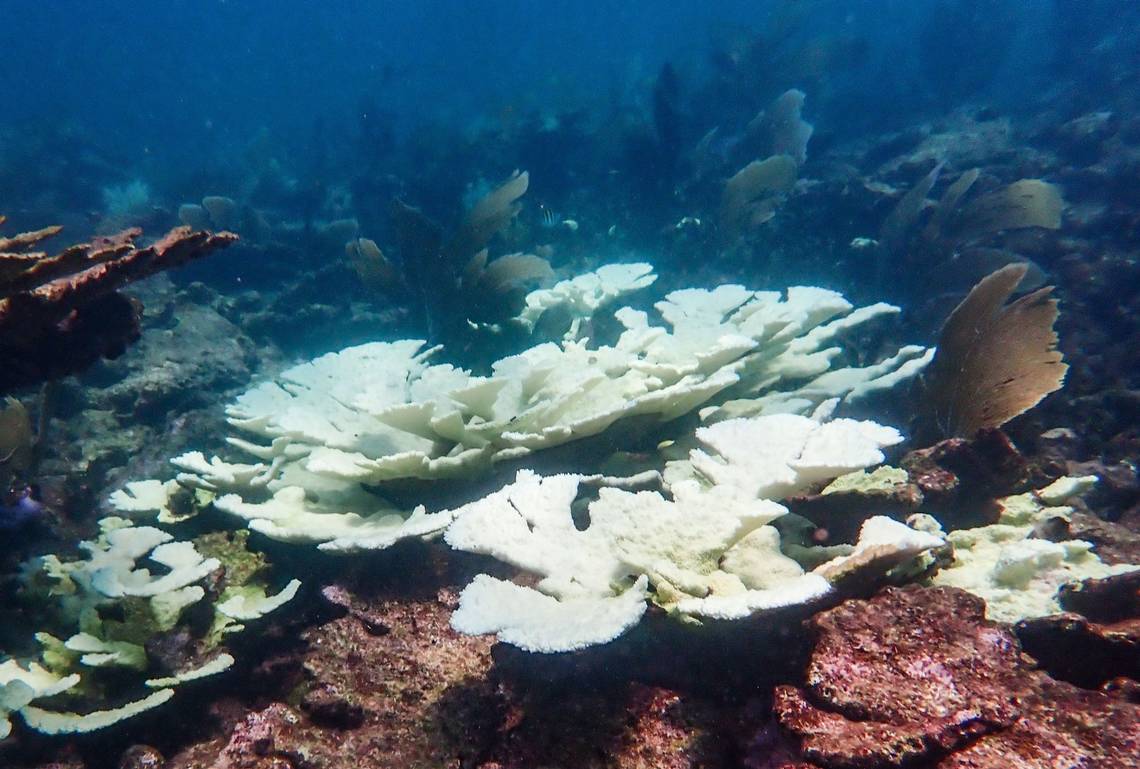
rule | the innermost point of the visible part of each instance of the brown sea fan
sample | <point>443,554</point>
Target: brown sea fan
<point>994,360</point>
<point>490,215</point>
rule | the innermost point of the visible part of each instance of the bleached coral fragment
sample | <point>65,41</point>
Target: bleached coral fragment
<point>528,525</point>
<point>213,667</point>
<point>356,467</point>
<point>1061,490</point>
<point>330,401</point>
<point>52,722</point>
<point>21,684</point>
<point>806,307</point>
<point>1019,562</point>
<point>708,551</point>
<point>758,562</point>
<point>808,320</point>
<point>679,541</point>
<point>826,332</point>
<point>689,308</point>
<point>420,524</point>
<point>122,542</point>
<point>540,623</point>
<point>775,581</point>
<point>1019,578</point>
<point>250,603</point>
<point>1017,574</point>
<point>105,599</point>
<point>906,364</point>
<point>217,476</point>
<point>289,516</point>
<point>97,652</point>
<point>41,681</point>
<point>840,446</point>
<point>584,294</point>
<point>186,566</point>
<point>883,544</point>
<point>151,497</point>
<point>110,571</point>
<point>778,455</point>
<point>793,592</point>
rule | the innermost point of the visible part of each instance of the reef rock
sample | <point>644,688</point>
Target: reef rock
<point>121,418</point>
<point>1098,644</point>
<point>918,675</point>
<point>388,683</point>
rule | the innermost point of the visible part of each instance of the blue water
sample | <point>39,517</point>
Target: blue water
<point>176,91</point>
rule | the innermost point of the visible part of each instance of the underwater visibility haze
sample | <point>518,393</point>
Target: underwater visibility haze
<point>578,385</point>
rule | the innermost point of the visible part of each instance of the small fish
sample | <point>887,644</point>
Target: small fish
<point>550,220</point>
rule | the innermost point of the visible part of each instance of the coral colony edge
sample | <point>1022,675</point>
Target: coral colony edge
<point>711,423</point>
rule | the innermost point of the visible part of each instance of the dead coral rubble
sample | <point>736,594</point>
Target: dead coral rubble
<point>60,313</point>
<point>919,677</point>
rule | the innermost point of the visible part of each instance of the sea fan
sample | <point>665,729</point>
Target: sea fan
<point>995,360</point>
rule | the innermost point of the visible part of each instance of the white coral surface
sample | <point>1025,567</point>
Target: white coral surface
<point>706,551</point>
<point>320,432</point>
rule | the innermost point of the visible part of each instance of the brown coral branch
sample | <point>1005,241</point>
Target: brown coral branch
<point>27,239</point>
<point>61,313</point>
<point>29,271</point>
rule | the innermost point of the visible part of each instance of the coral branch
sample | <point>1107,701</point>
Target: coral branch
<point>61,313</point>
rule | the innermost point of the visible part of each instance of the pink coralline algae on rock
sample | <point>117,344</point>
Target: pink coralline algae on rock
<point>918,677</point>
<point>388,683</point>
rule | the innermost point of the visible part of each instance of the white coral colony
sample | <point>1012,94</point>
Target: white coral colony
<point>709,551</point>
<point>320,431</point>
<point>753,362</point>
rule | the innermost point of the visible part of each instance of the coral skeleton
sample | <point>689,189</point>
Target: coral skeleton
<point>706,551</point>
<point>322,431</point>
